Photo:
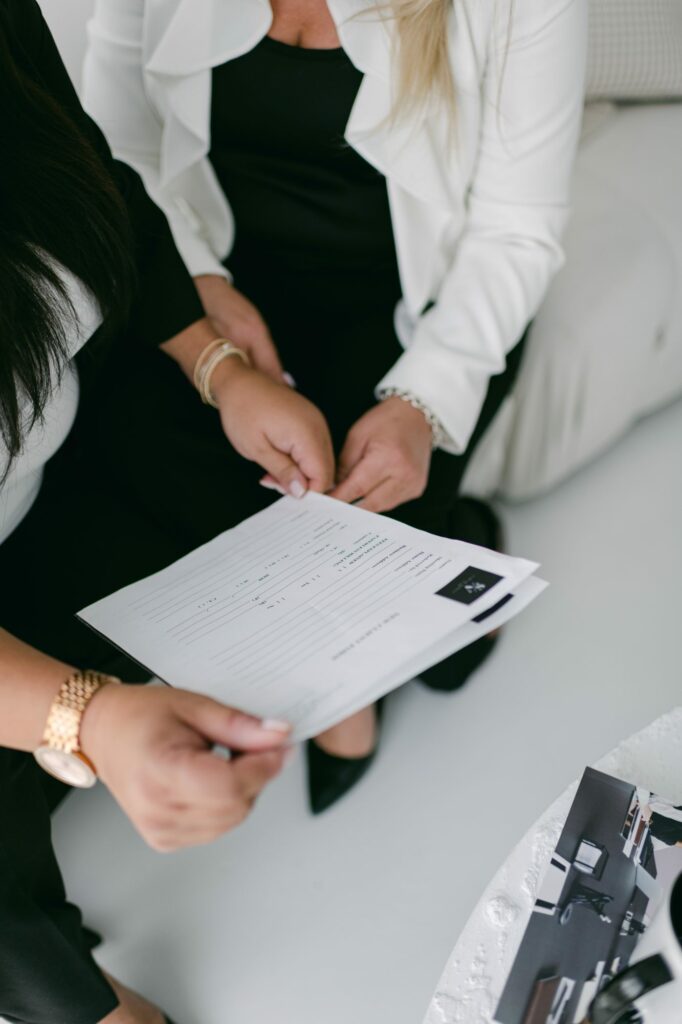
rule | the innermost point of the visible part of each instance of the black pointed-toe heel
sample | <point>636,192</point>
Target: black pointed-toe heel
<point>91,938</point>
<point>331,777</point>
<point>452,673</point>
<point>475,522</point>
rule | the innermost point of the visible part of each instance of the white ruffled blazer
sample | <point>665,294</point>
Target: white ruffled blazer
<point>477,212</point>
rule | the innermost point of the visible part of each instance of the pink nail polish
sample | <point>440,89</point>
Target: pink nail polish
<point>270,485</point>
<point>275,725</point>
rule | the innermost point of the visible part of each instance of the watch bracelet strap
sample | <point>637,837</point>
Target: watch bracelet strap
<point>62,729</point>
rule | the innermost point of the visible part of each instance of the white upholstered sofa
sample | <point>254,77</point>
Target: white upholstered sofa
<point>606,346</point>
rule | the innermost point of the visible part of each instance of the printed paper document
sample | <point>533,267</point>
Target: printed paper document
<point>312,609</point>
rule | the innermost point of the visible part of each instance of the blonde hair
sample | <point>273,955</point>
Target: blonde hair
<point>424,69</point>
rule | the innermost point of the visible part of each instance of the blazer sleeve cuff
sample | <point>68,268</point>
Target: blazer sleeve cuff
<point>453,390</point>
<point>197,254</point>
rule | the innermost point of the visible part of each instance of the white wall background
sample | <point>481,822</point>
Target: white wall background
<point>67,19</point>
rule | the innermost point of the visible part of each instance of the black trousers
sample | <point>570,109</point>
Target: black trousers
<point>146,475</point>
<point>47,975</point>
<point>78,535</point>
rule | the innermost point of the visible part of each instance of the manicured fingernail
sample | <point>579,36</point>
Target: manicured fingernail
<point>275,725</point>
<point>270,485</point>
<point>288,379</point>
<point>296,489</point>
<point>224,753</point>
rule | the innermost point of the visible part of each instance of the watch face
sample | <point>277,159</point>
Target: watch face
<point>68,768</point>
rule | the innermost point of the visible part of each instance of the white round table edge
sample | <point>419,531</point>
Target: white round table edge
<point>474,976</point>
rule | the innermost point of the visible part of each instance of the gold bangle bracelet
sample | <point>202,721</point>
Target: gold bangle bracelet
<point>214,353</point>
<point>224,352</point>
<point>203,355</point>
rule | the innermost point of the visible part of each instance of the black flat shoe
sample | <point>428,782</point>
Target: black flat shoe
<point>331,777</point>
<point>475,522</point>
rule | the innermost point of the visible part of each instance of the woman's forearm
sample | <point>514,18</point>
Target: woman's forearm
<point>29,682</point>
<point>186,347</point>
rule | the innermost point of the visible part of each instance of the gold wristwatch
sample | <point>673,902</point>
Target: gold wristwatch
<point>60,753</point>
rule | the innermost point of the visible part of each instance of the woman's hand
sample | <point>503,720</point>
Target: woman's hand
<point>237,319</point>
<point>151,746</point>
<point>276,427</point>
<point>265,421</point>
<point>385,460</point>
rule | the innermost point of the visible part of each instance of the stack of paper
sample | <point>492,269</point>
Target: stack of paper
<point>312,609</point>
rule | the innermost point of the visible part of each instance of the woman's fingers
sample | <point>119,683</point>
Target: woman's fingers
<point>178,831</point>
<point>318,479</point>
<point>355,474</point>
<point>210,796</point>
<point>282,431</point>
<point>367,474</point>
<point>355,486</point>
<point>252,772</point>
<point>315,457</point>
<point>283,471</point>
<point>270,484</point>
<point>154,749</point>
<point>230,728</point>
<point>206,782</point>
<point>308,459</point>
<point>382,498</point>
<point>375,487</point>
<point>352,452</point>
<point>389,448</point>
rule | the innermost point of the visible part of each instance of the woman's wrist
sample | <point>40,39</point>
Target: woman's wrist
<point>94,722</point>
<point>214,355</point>
<point>211,289</point>
<point>29,683</point>
<point>185,348</point>
<point>227,374</point>
<point>438,433</point>
<point>188,348</point>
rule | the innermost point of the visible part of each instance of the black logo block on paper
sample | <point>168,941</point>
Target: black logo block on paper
<point>469,585</point>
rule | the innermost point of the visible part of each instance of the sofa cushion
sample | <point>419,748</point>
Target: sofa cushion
<point>606,346</point>
<point>639,150</point>
<point>590,344</point>
<point>635,49</point>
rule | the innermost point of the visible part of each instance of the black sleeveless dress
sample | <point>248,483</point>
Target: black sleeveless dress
<point>314,243</point>
<point>303,199</point>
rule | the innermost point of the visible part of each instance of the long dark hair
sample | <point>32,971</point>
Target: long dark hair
<point>57,203</point>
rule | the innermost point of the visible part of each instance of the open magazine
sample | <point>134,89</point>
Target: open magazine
<point>617,856</point>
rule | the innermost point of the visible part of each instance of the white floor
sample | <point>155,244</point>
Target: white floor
<point>348,919</point>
